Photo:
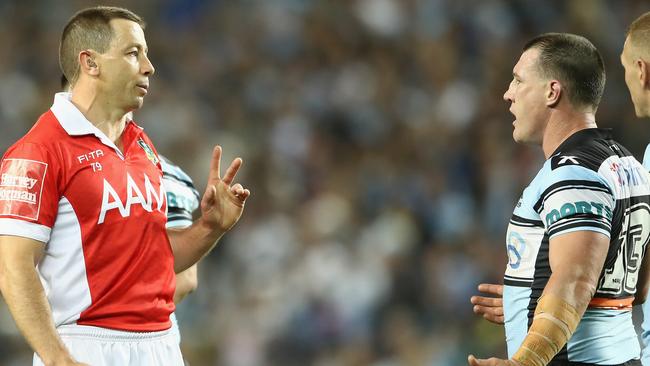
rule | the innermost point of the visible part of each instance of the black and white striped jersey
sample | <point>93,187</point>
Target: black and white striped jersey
<point>182,197</point>
<point>593,183</point>
<point>645,326</point>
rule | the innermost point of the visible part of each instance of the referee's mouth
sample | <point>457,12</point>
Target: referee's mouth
<point>144,87</point>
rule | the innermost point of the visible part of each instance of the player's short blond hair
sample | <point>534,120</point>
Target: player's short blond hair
<point>639,32</point>
<point>89,29</point>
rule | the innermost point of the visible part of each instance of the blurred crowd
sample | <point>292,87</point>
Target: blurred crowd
<point>377,148</point>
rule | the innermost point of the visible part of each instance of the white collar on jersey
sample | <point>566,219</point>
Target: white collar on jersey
<point>74,122</point>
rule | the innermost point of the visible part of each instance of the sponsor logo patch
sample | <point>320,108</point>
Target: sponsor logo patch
<point>112,200</point>
<point>149,152</point>
<point>571,209</point>
<point>21,185</point>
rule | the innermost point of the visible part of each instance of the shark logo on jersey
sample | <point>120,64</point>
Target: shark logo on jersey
<point>149,151</point>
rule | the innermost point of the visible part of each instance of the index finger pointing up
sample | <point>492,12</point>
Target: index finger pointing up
<point>215,166</point>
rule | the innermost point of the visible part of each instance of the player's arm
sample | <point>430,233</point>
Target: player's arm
<point>576,260</point>
<point>643,282</point>
<point>24,294</point>
<point>186,282</point>
<point>221,207</point>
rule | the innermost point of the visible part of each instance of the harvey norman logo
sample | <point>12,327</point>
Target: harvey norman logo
<point>16,195</point>
<point>9,180</point>
<point>21,185</point>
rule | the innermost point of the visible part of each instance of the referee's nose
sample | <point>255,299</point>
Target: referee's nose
<point>147,67</point>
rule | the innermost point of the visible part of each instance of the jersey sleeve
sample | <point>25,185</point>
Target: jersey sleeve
<point>29,192</point>
<point>646,158</point>
<point>182,197</point>
<point>576,199</point>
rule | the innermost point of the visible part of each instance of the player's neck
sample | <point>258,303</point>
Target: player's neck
<point>102,114</point>
<point>563,124</point>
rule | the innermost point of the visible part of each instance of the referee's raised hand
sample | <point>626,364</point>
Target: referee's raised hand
<point>223,202</point>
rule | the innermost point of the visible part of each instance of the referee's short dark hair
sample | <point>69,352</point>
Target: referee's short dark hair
<point>575,63</point>
<point>89,29</point>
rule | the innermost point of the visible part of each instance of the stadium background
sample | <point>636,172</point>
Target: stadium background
<point>377,147</point>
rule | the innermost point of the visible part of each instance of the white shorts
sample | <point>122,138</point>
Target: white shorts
<point>106,347</point>
<point>174,329</point>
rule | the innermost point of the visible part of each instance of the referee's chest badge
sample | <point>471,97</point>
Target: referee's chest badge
<point>147,150</point>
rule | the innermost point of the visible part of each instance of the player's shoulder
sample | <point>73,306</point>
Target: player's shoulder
<point>570,169</point>
<point>589,149</point>
<point>173,171</point>
<point>569,184</point>
<point>586,155</point>
<point>573,169</point>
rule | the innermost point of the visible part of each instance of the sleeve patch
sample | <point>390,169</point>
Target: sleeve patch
<point>21,187</point>
<point>572,207</point>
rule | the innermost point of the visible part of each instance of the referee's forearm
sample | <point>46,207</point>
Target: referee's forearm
<point>192,243</point>
<point>24,294</point>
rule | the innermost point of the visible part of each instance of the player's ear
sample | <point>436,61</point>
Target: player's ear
<point>87,63</point>
<point>642,70</point>
<point>553,93</point>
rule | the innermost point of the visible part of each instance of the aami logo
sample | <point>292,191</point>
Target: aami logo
<point>111,200</point>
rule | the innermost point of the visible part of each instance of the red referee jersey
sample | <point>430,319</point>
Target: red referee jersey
<point>101,214</point>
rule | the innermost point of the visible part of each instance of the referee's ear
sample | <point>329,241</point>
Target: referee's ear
<point>87,63</point>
